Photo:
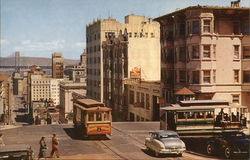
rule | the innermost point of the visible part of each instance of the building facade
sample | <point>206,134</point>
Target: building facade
<point>206,49</point>
<point>143,101</point>
<point>66,90</point>
<point>122,56</point>
<point>57,65</point>
<point>6,99</point>
<point>17,81</point>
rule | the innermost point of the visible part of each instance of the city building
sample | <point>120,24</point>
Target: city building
<point>43,87</point>
<point>6,99</point>
<point>17,81</point>
<point>207,50</point>
<point>121,56</point>
<point>144,101</point>
<point>66,103</point>
<point>77,73</point>
<point>57,65</point>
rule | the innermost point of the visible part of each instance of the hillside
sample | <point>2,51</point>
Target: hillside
<point>29,61</point>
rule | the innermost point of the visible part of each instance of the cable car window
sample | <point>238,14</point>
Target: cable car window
<point>181,115</point>
<point>200,115</point>
<point>106,116</point>
<point>98,116</point>
<point>190,115</point>
<point>209,115</point>
<point>91,116</point>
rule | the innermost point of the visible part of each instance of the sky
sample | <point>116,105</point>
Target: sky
<point>37,28</point>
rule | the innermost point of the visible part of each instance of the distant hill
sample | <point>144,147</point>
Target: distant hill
<point>29,61</point>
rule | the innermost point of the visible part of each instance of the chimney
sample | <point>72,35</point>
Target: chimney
<point>235,3</point>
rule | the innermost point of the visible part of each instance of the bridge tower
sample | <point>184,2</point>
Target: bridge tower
<point>17,61</point>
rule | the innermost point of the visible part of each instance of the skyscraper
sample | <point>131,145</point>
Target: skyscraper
<point>57,65</point>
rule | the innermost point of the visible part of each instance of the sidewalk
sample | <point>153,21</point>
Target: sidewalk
<point>4,127</point>
<point>85,156</point>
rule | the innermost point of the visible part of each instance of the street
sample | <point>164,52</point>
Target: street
<point>127,141</point>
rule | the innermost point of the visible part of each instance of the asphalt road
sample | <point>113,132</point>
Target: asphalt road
<point>126,142</point>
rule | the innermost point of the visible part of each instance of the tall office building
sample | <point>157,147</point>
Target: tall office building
<point>137,27</point>
<point>207,49</point>
<point>57,65</point>
<point>134,55</point>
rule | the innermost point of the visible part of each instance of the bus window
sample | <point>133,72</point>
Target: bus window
<point>106,116</point>
<point>91,116</point>
<point>181,115</point>
<point>98,116</point>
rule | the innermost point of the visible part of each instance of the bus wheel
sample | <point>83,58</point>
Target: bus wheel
<point>210,149</point>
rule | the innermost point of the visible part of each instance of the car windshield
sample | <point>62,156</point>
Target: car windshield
<point>169,136</point>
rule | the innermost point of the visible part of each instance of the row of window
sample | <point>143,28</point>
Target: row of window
<point>93,37</point>
<point>93,83</point>
<point>140,35</point>
<point>209,76</point>
<point>142,100</point>
<point>40,82</point>
<point>94,60</point>
<point>95,72</point>
<point>208,51</point>
<point>93,49</point>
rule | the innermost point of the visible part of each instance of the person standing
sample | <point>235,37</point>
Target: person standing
<point>43,148</point>
<point>1,140</point>
<point>55,148</point>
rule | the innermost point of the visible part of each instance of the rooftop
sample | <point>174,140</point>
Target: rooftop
<point>89,102</point>
<point>184,91</point>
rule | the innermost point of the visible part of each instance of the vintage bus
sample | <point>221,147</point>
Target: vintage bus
<point>203,117</point>
<point>91,117</point>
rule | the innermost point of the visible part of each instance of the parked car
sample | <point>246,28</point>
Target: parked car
<point>16,152</point>
<point>230,144</point>
<point>165,142</point>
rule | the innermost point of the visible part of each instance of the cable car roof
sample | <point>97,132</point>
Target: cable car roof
<point>99,108</point>
<point>89,102</point>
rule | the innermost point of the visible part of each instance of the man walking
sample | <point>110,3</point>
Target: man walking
<point>55,148</point>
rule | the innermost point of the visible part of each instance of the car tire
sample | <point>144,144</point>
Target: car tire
<point>156,154</point>
<point>179,154</point>
<point>227,152</point>
<point>210,149</point>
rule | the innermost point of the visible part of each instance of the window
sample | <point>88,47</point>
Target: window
<point>137,96</point>
<point>91,116</point>
<point>236,51</point>
<point>195,27</point>
<point>130,34</point>
<point>152,35</point>
<point>182,29</point>
<point>214,76</point>
<point>206,51</point>
<point>147,101</point>
<point>206,26</point>
<point>236,98</point>
<point>195,52</point>
<point>182,76</point>
<point>98,116</point>
<point>214,51</point>
<point>196,77</point>
<point>236,76</point>
<point>246,76</point>
<point>206,76</point>
<point>182,54</point>
<point>246,52</point>
<point>132,99</point>
<point>142,99</point>
<point>236,27</point>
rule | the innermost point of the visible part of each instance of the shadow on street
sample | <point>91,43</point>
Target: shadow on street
<point>76,135</point>
<point>150,153</point>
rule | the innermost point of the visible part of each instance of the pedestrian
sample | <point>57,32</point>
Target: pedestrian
<point>55,148</point>
<point>1,140</point>
<point>43,148</point>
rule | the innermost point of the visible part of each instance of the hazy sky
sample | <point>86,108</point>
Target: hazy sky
<point>40,27</point>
